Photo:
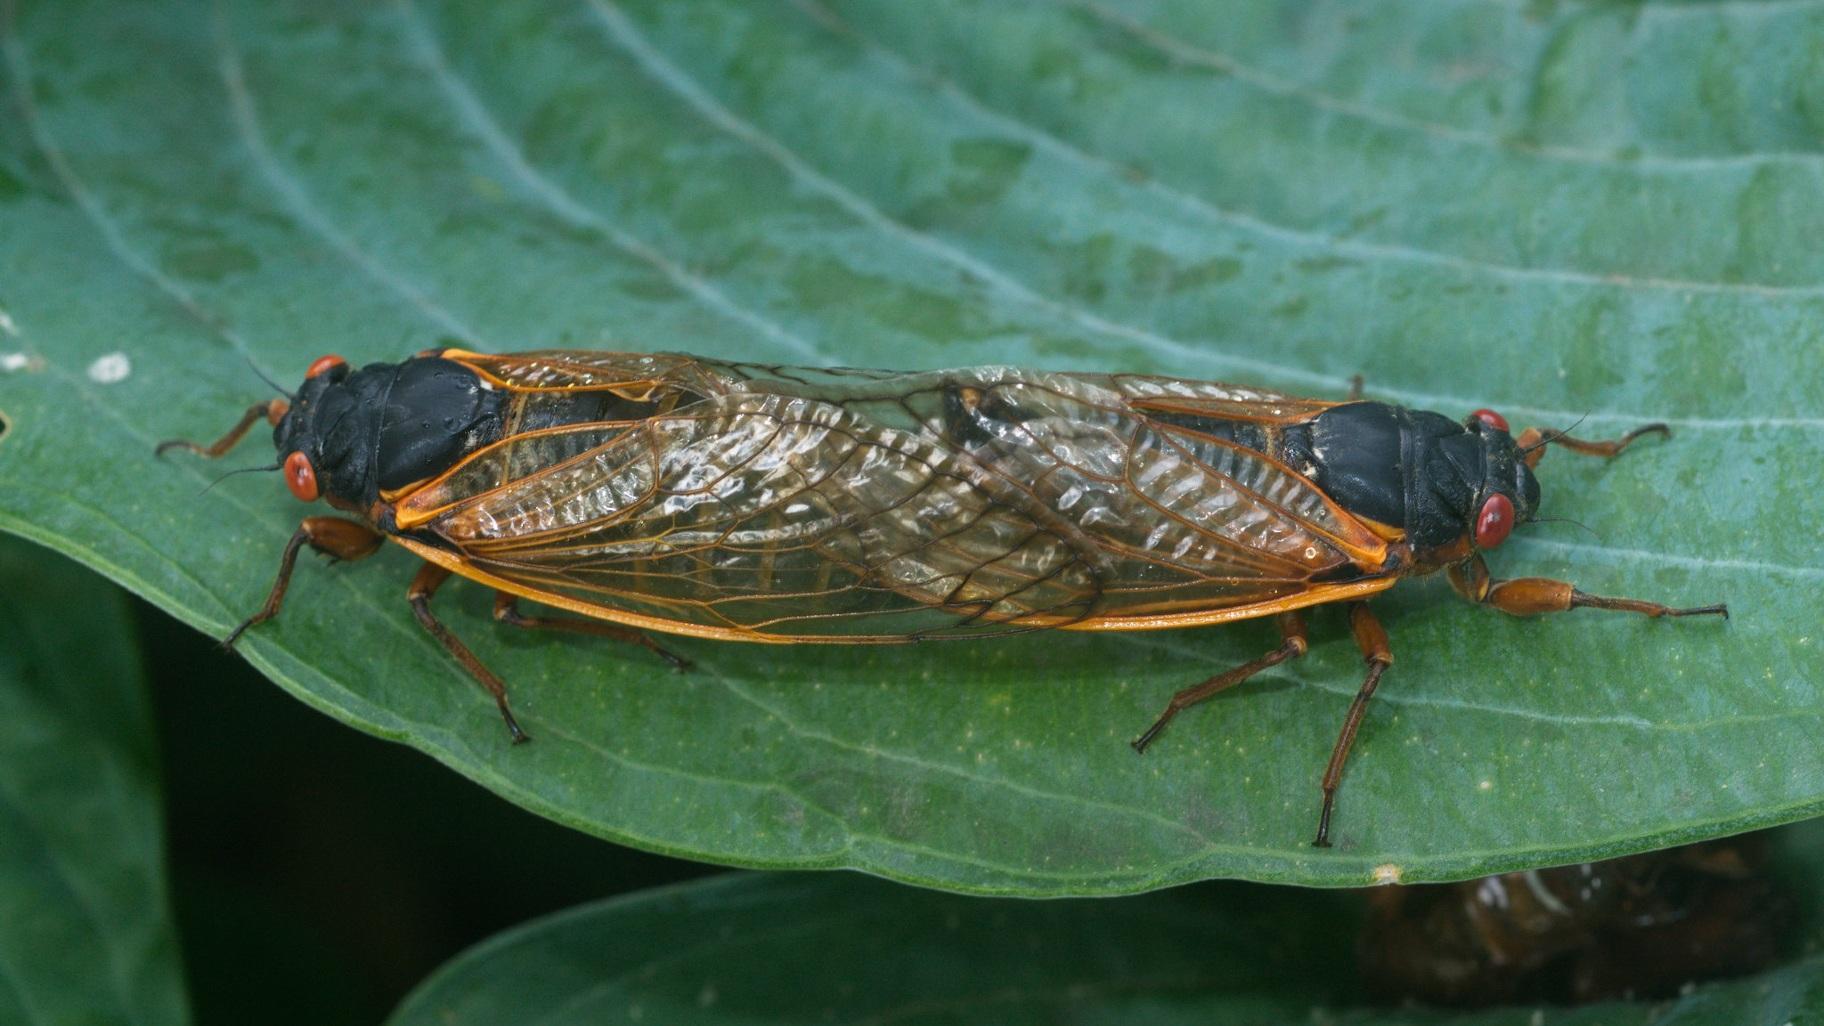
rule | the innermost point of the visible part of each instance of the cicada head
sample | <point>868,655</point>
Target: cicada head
<point>349,435</point>
<point>1508,493</point>
<point>1470,487</point>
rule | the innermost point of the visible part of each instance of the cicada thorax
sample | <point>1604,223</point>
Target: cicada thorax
<point>1447,487</point>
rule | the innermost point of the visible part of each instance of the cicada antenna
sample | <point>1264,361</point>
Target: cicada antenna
<point>289,396</point>
<point>1567,520</point>
<point>241,470</point>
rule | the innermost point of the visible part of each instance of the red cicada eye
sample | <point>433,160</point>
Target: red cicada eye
<point>1491,418</point>
<point>301,477</point>
<point>323,365</point>
<point>1494,522</point>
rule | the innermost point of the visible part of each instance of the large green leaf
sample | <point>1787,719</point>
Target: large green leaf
<point>1554,211</point>
<point>839,948</point>
<point>85,927</point>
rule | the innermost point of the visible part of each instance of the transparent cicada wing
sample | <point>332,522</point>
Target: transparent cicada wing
<point>634,375</point>
<point>1185,520</point>
<point>762,514</point>
<point>1216,400</point>
<point>864,506</point>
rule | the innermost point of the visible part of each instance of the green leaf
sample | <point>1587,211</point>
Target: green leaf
<point>86,936</point>
<point>1552,210</point>
<point>841,948</point>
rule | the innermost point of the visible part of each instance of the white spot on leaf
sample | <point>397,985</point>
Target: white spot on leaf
<point>110,369</point>
<point>1386,873</point>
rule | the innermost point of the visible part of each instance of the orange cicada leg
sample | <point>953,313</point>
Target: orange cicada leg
<point>1530,596</point>
<point>335,537</point>
<point>1291,628</point>
<point>506,610</point>
<point>270,411</point>
<point>429,578</point>
<point>1532,442</point>
<point>1371,638</point>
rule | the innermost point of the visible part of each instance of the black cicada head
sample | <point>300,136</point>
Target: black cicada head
<point>349,434</point>
<point>1508,494</point>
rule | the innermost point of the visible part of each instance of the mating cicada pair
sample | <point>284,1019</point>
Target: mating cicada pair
<point>745,502</point>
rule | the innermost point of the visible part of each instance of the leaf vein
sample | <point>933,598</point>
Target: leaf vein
<point>566,207</point>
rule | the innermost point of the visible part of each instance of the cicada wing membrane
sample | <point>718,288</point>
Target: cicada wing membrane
<point>762,515</point>
<point>778,516</point>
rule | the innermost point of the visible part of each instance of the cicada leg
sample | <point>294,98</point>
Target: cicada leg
<point>335,537</point>
<point>271,411</point>
<point>1291,628</point>
<point>430,577</point>
<point>1532,442</point>
<point>1371,638</point>
<point>1530,596</point>
<point>506,610</point>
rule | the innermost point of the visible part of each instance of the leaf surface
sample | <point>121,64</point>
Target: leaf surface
<point>1467,203</point>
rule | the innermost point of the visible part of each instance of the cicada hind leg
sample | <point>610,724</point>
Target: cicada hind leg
<point>1291,629</point>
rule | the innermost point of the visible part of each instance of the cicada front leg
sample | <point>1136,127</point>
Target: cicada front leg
<point>334,537</point>
<point>270,411</point>
<point>1532,442</point>
<point>1530,596</point>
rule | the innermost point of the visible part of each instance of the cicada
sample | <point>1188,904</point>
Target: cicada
<point>749,502</point>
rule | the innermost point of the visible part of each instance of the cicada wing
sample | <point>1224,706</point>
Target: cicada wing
<point>633,375</point>
<point>875,507</point>
<point>759,515</point>
<point>1185,521</point>
<point>1214,400</point>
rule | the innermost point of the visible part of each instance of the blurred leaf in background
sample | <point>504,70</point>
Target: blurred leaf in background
<point>85,922</point>
<point>846,949</point>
